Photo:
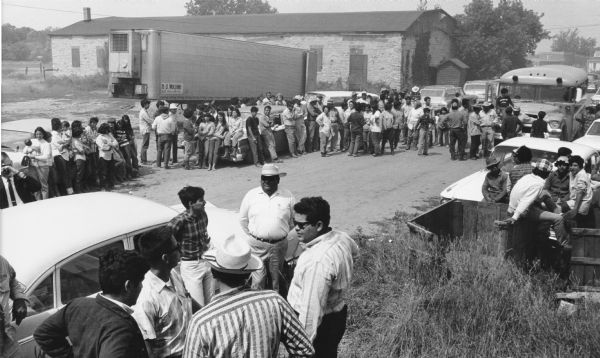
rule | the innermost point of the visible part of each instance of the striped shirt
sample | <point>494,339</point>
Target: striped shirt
<point>163,311</point>
<point>190,231</point>
<point>245,323</point>
<point>321,278</point>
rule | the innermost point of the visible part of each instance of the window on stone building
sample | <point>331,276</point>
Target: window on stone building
<point>119,43</point>
<point>356,50</point>
<point>319,51</point>
<point>75,60</point>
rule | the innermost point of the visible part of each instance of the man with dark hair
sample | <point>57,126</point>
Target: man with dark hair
<point>145,129</point>
<point>511,125</point>
<point>164,307</point>
<point>189,140</point>
<point>189,229</point>
<point>254,138</point>
<point>92,156</point>
<point>539,127</point>
<point>522,164</point>
<point>313,109</point>
<point>580,190</point>
<point>503,102</point>
<point>557,183</point>
<point>457,122</point>
<point>100,326</point>
<point>266,133</point>
<point>322,276</point>
<point>266,218</point>
<point>240,322</point>
<point>165,127</point>
<point>17,187</point>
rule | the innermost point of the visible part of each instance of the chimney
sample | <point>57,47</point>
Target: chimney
<point>87,14</point>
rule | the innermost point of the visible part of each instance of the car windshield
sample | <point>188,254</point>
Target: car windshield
<point>477,88</point>
<point>337,101</point>
<point>522,92</point>
<point>432,93</point>
<point>594,129</point>
<point>505,155</point>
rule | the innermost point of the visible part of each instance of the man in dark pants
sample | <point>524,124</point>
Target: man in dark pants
<point>17,187</point>
<point>174,135</point>
<point>254,139</point>
<point>511,124</point>
<point>322,276</point>
<point>457,122</point>
<point>312,138</point>
<point>101,326</point>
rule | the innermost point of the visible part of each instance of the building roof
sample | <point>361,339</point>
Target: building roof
<point>458,63</point>
<point>376,22</point>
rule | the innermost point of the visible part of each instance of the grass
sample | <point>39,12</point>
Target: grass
<point>18,86</point>
<point>409,299</point>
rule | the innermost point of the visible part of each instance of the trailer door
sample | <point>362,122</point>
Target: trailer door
<point>311,72</point>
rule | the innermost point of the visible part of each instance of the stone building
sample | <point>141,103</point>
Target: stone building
<point>354,49</point>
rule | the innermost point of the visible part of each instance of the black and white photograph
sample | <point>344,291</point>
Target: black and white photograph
<point>300,178</point>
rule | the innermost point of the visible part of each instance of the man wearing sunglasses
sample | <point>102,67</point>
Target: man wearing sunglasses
<point>266,218</point>
<point>322,276</point>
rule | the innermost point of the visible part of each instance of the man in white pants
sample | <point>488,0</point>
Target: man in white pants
<point>189,229</point>
<point>266,216</point>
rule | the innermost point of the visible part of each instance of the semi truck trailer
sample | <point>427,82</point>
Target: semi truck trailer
<point>187,68</point>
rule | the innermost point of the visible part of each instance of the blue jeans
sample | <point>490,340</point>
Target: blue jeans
<point>355,140</point>
<point>423,141</point>
<point>164,149</point>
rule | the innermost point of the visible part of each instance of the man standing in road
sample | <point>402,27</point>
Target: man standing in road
<point>145,129</point>
<point>164,127</point>
<point>288,119</point>
<point>12,290</point>
<point>266,216</point>
<point>240,322</point>
<point>322,276</point>
<point>474,132</point>
<point>164,308</point>
<point>457,122</point>
<point>511,124</point>
<point>254,138</point>
<point>487,117</point>
<point>313,109</point>
<point>266,134</point>
<point>175,133</point>
<point>189,229</point>
<point>300,115</point>
<point>413,133</point>
<point>406,109</point>
<point>101,326</point>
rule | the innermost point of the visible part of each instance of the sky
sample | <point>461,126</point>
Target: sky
<point>39,14</point>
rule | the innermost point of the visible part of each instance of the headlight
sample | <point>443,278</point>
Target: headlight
<point>554,125</point>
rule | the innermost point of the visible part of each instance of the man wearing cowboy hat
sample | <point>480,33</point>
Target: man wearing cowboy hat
<point>322,276</point>
<point>240,322</point>
<point>266,216</point>
<point>496,183</point>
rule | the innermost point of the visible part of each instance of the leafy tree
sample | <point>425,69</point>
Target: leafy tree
<point>228,7</point>
<point>570,41</point>
<point>24,43</point>
<point>493,40</point>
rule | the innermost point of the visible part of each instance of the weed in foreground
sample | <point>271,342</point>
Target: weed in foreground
<point>408,300</point>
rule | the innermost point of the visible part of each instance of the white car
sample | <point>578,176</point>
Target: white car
<point>54,245</point>
<point>592,136</point>
<point>469,188</point>
<point>338,97</point>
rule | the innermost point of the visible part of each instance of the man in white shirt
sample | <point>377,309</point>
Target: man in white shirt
<point>322,276</point>
<point>17,187</point>
<point>164,127</point>
<point>527,195</point>
<point>145,129</point>
<point>163,309</point>
<point>266,216</point>
<point>413,118</point>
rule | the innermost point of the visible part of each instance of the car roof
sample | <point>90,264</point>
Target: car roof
<point>549,145</point>
<point>339,93</point>
<point>439,87</point>
<point>36,236</point>
<point>27,125</point>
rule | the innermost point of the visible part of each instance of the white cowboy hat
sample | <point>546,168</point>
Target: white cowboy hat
<point>415,89</point>
<point>173,106</point>
<point>233,256</point>
<point>269,170</point>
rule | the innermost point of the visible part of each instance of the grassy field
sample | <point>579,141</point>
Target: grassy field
<point>21,85</point>
<point>408,300</point>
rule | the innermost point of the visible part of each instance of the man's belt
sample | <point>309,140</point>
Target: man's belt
<point>269,241</point>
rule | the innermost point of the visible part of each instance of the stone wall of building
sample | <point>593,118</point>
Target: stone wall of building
<point>89,50</point>
<point>383,50</point>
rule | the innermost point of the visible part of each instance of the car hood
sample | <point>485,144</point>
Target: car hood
<point>534,108</point>
<point>468,188</point>
<point>589,140</point>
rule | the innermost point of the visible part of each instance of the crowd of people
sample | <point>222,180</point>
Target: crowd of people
<point>178,294</point>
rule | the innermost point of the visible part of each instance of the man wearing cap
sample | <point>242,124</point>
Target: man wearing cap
<point>165,127</point>
<point>313,110</point>
<point>240,322</point>
<point>526,197</point>
<point>557,183</point>
<point>322,275</point>
<point>266,216</point>
<point>487,119</point>
<point>496,184</point>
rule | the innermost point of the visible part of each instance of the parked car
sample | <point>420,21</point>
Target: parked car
<point>338,97</point>
<point>58,261</point>
<point>596,97</point>
<point>442,94</point>
<point>592,136</point>
<point>476,88</point>
<point>469,188</point>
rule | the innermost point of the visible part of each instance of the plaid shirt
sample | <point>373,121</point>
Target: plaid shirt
<point>245,323</point>
<point>163,311</point>
<point>190,231</point>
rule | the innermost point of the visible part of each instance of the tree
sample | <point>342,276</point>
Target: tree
<point>493,40</point>
<point>228,7</point>
<point>570,41</point>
